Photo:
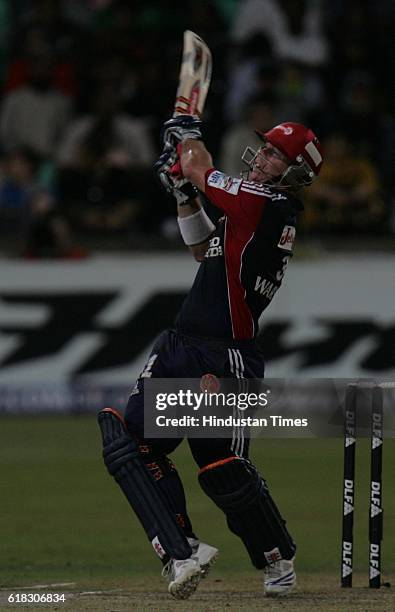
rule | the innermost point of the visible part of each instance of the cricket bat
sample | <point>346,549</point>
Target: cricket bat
<point>195,76</point>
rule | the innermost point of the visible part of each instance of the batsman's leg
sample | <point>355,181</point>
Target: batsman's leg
<point>154,454</point>
<point>240,492</point>
<point>123,460</point>
<point>169,484</point>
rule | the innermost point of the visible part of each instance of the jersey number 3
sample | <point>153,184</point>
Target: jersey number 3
<point>280,273</point>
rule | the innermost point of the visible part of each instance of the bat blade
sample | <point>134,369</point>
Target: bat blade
<point>195,76</point>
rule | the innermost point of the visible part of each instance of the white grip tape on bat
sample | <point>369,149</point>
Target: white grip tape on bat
<point>195,228</point>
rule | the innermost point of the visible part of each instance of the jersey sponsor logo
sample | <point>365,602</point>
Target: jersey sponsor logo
<point>215,248</point>
<point>215,178</point>
<point>222,181</point>
<point>287,239</point>
<point>232,185</point>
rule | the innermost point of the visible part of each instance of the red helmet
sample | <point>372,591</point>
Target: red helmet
<point>303,149</point>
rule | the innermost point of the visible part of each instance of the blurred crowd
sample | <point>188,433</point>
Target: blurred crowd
<point>86,85</point>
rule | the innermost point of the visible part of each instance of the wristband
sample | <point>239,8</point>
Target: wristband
<point>196,228</point>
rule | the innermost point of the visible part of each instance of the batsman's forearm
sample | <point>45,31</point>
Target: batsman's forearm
<point>197,250</point>
<point>195,161</point>
<point>186,210</point>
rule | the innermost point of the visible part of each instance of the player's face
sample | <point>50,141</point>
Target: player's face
<point>269,164</point>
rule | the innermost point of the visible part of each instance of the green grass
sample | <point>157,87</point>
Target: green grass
<point>64,519</point>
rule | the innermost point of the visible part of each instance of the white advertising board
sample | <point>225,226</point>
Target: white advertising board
<point>96,320</point>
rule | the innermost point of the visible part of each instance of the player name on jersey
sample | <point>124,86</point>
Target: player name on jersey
<point>265,287</point>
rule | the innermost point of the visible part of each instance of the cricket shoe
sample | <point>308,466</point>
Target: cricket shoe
<point>280,578</point>
<point>184,576</point>
<point>205,554</point>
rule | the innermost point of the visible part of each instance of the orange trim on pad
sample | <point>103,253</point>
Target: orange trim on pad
<point>211,466</point>
<point>117,414</point>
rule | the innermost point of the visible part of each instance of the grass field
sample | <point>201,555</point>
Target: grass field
<point>63,520</point>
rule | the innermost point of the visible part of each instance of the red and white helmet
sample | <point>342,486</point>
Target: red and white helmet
<point>301,147</point>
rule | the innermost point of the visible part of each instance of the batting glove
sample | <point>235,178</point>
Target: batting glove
<point>181,128</point>
<point>168,170</point>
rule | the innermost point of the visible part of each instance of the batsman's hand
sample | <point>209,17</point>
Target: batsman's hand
<point>169,173</point>
<point>181,128</point>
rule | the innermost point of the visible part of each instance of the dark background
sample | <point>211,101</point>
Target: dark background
<point>86,86</point>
